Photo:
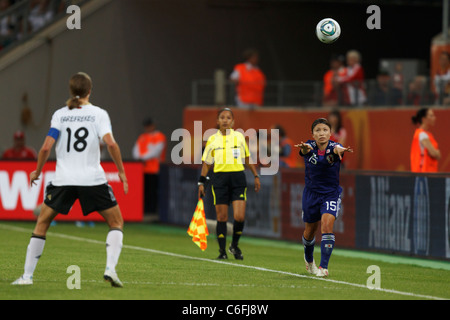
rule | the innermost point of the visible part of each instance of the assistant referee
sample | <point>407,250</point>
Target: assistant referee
<point>228,151</point>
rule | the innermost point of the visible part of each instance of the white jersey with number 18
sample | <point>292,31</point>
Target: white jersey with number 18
<point>78,145</point>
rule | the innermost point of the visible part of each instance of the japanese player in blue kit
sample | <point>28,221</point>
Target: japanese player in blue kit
<point>322,193</point>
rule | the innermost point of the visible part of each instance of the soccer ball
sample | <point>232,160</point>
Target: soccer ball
<point>328,30</point>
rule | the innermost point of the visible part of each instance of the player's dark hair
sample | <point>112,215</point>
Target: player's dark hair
<point>80,85</point>
<point>318,121</point>
<point>422,113</point>
<point>224,109</point>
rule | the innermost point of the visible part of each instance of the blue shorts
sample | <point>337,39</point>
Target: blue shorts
<point>315,204</point>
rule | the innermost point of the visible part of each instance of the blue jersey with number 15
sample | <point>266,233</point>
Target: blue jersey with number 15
<point>322,168</point>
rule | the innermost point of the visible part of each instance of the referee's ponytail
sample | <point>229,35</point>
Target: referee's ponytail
<point>80,86</point>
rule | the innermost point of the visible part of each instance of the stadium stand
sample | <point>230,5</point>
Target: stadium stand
<point>21,19</point>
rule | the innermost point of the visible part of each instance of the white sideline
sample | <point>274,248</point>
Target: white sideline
<point>69,237</point>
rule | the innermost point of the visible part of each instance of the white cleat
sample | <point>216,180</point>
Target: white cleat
<point>23,281</point>
<point>311,267</point>
<point>112,277</point>
<point>322,272</point>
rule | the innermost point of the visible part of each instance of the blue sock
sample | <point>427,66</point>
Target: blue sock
<point>309,248</point>
<point>326,248</point>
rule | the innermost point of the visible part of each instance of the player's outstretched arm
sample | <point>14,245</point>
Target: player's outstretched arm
<point>340,151</point>
<point>304,147</point>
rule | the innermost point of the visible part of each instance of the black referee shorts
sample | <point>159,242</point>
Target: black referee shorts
<point>92,198</point>
<point>228,187</point>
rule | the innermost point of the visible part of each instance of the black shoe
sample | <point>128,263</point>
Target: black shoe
<point>234,250</point>
<point>222,255</point>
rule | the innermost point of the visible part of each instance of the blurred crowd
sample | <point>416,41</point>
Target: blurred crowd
<point>20,17</point>
<point>345,83</point>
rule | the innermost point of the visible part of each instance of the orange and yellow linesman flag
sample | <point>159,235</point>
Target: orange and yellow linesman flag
<point>198,229</point>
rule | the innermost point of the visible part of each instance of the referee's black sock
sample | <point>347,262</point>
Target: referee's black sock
<point>221,231</point>
<point>238,227</point>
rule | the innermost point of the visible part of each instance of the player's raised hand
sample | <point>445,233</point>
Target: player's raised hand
<point>304,147</point>
<point>340,151</point>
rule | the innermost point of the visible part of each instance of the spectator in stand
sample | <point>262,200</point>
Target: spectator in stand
<point>19,151</point>
<point>250,81</point>
<point>287,155</point>
<point>442,79</point>
<point>332,96</point>
<point>150,148</point>
<point>417,94</point>
<point>385,94</point>
<point>353,79</point>
<point>40,14</point>
<point>338,132</point>
<point>397,77</point>
<point>7,24</point>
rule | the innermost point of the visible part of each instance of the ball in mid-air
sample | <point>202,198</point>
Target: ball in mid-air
<point>328,30</point>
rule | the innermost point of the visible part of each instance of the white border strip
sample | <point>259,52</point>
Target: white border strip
<point>171,254</point>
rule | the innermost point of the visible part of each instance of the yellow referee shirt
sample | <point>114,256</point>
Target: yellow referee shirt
<point>226,152</point>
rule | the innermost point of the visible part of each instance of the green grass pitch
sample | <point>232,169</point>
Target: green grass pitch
<point>162,263</point>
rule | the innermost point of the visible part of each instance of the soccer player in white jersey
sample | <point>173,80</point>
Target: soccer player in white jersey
<point>77,130</point>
